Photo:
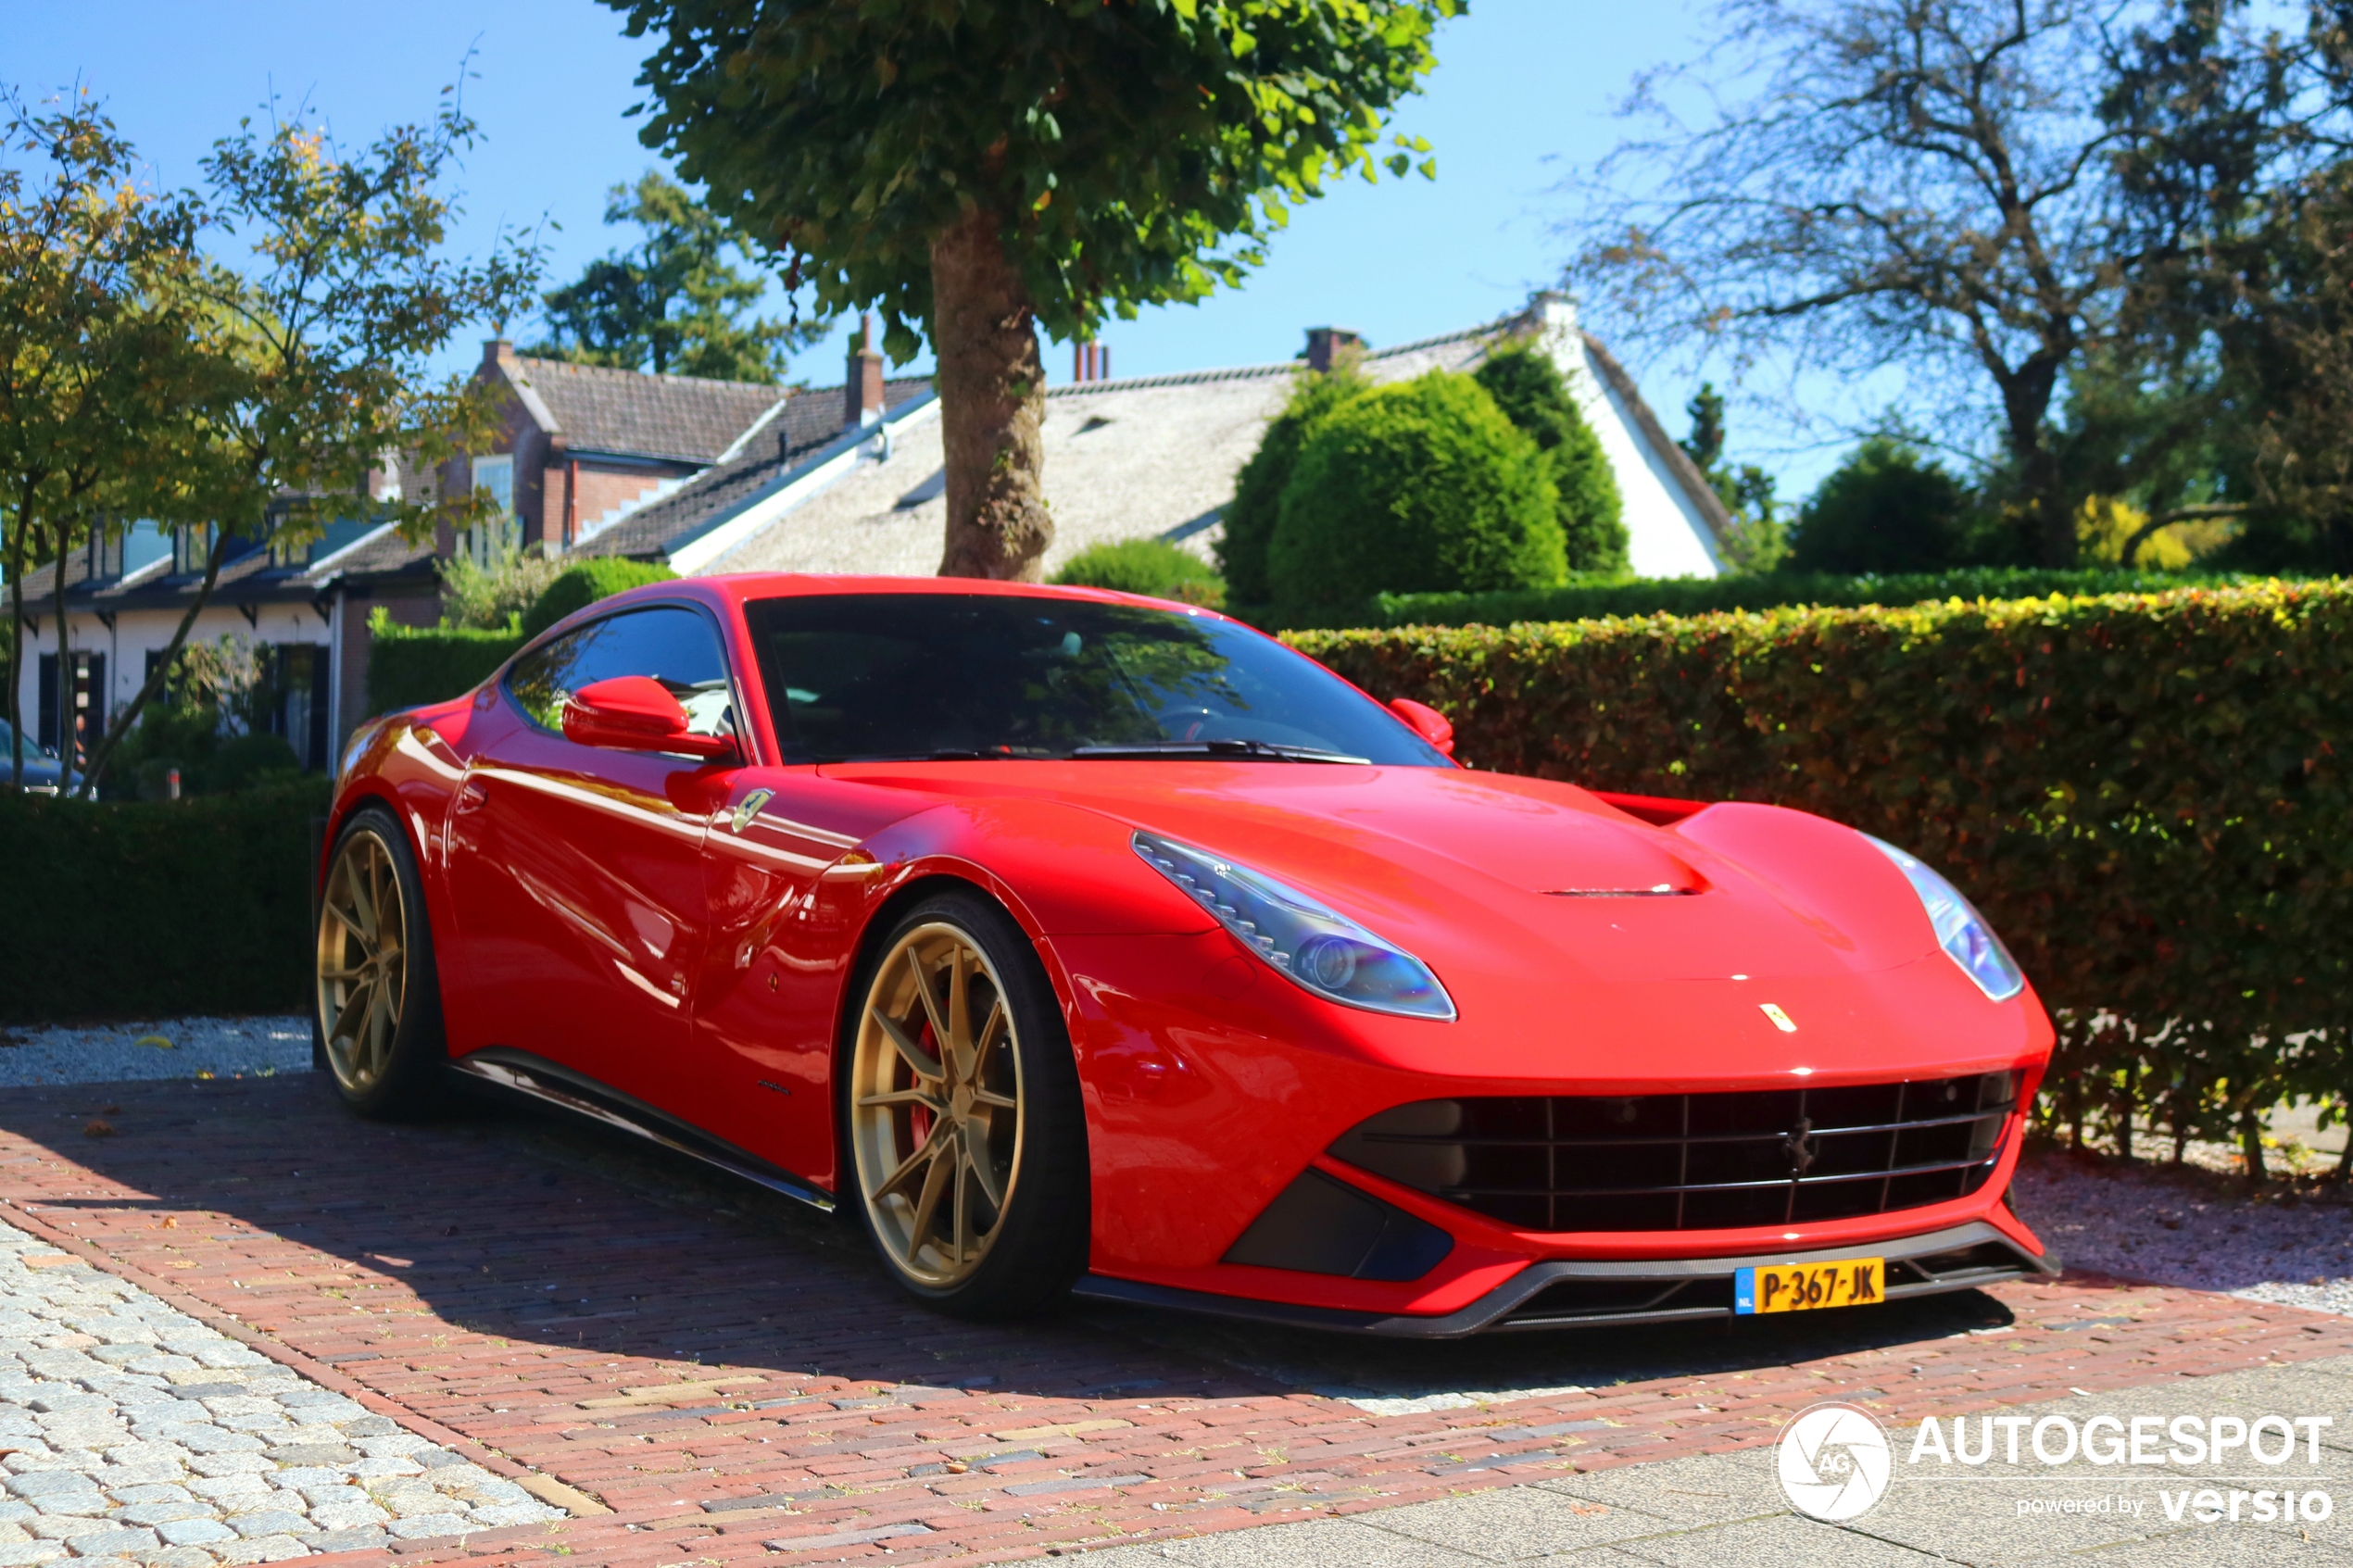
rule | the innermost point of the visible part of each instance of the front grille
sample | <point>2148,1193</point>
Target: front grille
<point>1715,1161</point>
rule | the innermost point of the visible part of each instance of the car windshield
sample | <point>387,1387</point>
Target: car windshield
<point>875,677</point>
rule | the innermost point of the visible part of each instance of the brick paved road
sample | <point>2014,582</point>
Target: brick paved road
<point>733,1378</point>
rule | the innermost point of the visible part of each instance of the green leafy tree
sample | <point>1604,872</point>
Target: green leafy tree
<point>320,343</point>
<point>673,302</point>
<point>978,169</point>
<point>1250,518</point>
<point>1934,185</point>
<point>1757,540</point>
<point>1886,508</point>
<point>1422,486</point>
<point>101,358</point>
<point>1528,386</point>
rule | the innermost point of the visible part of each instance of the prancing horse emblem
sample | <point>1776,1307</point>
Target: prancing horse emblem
<point>741,817</point>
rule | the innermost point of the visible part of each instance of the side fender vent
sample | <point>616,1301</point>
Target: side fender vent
<point>1321,1226</point>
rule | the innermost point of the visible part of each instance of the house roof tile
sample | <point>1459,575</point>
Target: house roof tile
<point>629,413</point>
<point>810,419</point>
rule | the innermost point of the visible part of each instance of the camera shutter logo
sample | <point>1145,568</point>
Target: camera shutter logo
<point>1833,1462</point>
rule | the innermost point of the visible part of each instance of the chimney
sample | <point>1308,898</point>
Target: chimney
<point>494,349</point>
<point>1328,347</point>
<point>862,391</point>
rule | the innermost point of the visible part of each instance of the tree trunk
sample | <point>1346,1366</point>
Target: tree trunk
<point>65,669</point>
<point>16,651</point>
<point>992,399</point>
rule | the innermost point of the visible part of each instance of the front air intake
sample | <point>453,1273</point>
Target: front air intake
<point>1709,1162</point>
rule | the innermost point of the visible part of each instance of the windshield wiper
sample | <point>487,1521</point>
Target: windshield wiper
<point>1267,750</point>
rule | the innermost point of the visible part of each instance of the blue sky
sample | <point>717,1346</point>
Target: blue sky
<point>1522,96</point>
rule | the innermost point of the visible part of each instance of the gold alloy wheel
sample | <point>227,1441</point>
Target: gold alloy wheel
<point>935,1105</point>
<point>363,960</point>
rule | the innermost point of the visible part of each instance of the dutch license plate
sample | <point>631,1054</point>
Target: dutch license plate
<point>1800,1287</point>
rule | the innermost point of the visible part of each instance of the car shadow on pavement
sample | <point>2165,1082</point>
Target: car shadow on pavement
<point>540,1229</point>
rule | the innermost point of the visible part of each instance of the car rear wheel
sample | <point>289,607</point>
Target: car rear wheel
<point>378,1003</point>
<point>962,1108</point>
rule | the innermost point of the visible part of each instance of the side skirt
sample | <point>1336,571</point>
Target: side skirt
<point>519,1073</point>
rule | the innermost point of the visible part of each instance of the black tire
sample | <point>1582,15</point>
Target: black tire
<point>1037,1246</point>
<point>384,1066</point>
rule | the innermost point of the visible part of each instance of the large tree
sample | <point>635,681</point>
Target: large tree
<point>2239,196</point>
<point>976,169</point>
<point>1923,184</point>
<point>102,371</point>
<point>314,345</point>
<point>673,302</point>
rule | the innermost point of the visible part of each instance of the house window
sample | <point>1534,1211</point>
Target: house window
<point>494,478</point>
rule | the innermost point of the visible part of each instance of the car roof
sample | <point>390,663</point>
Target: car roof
<point>740,588</point>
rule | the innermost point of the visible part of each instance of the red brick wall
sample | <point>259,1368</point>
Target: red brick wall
<point>603,487</point>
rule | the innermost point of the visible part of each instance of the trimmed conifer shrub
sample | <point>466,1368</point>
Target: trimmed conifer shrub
<point>1257,504</point>
<point>1526,385</point>
<point>1423,485</point>
<point>582,586</point>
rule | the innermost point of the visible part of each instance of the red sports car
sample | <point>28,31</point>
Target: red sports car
<point>1075,941</point>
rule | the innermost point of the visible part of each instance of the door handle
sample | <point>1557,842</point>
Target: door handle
<point>472,796</point>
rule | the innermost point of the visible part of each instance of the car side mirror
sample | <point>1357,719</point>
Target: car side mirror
<point>636,713</point>
<point>1426,721</point>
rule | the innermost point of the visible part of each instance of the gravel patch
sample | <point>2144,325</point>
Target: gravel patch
<point>169,1048</point>
<point>2191,1228</point>
<point>129,1430</point>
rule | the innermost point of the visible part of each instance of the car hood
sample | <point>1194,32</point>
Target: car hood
<point>1473,870</point>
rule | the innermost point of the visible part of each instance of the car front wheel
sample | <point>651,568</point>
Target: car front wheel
<point>962,1108</point>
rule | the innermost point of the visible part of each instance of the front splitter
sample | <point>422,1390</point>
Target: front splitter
<point>1958,1258</point>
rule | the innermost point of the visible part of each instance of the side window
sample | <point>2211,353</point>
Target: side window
<point>675,646</point>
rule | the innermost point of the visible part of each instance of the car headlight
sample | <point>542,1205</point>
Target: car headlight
<point>1961,930</point>
<point>1319,949</point>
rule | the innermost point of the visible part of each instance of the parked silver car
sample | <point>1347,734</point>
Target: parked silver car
<point>44,770</point>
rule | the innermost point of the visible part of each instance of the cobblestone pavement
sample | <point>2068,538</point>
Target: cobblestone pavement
<point>732,1377</point>
<point>131,1431</point>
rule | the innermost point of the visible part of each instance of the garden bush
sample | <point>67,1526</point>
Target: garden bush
<point>141,910</point>
<point>1146,566</point>
<point>2146,794</point>
<point>1526,385</point>
<point>1885,508</point>
<point>1422,486</point>
<point>582,586</point>
<point>1250,518</point>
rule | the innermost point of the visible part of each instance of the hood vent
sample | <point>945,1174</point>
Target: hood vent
<point>1663,890</point>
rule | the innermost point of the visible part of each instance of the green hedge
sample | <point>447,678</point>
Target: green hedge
<point>143,909</point>
<point>2147,793</point>
<point>409,666</point>
<point>1590,598</point>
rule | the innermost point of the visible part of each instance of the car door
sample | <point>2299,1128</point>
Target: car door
<point>578,871</point>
